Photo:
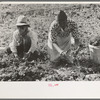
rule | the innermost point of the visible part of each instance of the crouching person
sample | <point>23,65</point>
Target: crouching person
<point>62,34</point>
<point>24,41</point>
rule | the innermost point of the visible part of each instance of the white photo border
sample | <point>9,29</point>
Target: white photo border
<point>41,90</point>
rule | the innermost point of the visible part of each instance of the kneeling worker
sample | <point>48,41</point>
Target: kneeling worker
<point>24,41</point>
<point>62,34</point>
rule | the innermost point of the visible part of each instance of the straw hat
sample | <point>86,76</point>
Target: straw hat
<point>22,20</point>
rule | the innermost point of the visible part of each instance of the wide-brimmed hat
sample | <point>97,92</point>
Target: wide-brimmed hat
<point>22,21</point>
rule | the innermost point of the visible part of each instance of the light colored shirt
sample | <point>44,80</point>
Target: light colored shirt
<point>56,30</point>
<point>63,38</point>
<point>17,40</point>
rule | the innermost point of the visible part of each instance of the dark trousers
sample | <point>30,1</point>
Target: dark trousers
<point>22,48</point>
<point>33,56</point>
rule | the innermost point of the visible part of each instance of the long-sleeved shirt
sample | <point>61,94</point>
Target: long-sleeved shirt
<point>17,41</point>
<point>63,38</point>
<point>56,30</point>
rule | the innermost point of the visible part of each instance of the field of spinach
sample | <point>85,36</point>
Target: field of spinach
<point>87,18</point>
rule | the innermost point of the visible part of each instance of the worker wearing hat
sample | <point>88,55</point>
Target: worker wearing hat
<point>24,41</point>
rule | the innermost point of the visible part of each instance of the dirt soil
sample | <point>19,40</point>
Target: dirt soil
<point>87,18</point>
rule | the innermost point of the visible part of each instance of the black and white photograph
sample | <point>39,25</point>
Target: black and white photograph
<point>49,42</point>
<point>49,50</point>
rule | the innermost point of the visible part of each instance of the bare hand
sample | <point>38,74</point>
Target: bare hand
<point>16,59</point>
<point>16,56</point>
<point>63,54</point>
<point>27,55</point>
